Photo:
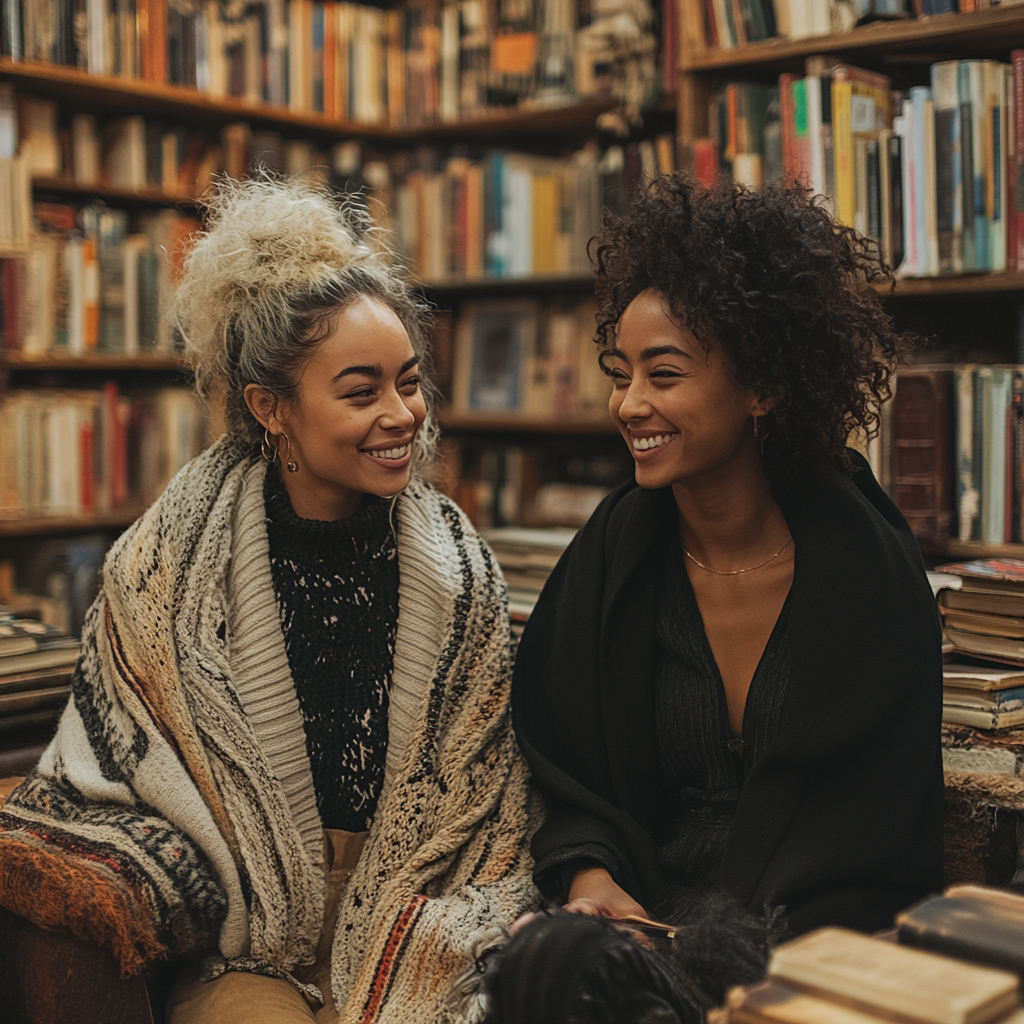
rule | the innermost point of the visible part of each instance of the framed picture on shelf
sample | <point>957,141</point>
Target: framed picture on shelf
<point>494,345</point>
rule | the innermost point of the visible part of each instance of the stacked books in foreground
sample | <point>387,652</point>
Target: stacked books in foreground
<point>982,609</point>
<point>526,558</point>
<point>835,976</point>
<point>36,664</point>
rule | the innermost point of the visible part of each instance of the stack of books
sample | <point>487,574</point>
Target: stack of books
<point>36,664</point>
<point>982,612</point>
<point>835,976</point>
<point>526,558</point>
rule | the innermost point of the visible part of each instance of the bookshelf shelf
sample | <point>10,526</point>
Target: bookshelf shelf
<point>996,28</point>
<point>512,285</point>
<point>134,197</point>
<point>110,93</point>
<point>513,423</point>
<point>43,525</point>
<point>17,361</point>
<point>944,550</point>
<point>966,284</point>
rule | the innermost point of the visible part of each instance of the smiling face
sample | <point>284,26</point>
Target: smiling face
<point>675,402</point>
<point>355,416</point>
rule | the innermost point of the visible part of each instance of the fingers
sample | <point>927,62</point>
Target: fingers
<point>582,905</point>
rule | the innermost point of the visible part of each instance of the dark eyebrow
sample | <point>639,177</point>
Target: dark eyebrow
<point>374,369</point>
<point>663,350</point>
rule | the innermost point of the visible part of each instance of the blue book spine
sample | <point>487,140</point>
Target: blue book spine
<point>318,58</point>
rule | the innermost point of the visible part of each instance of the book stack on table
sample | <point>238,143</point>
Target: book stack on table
<point>982,609</point>
<point>526,557</point>
<point>958,961</point>
<point>36,664</point>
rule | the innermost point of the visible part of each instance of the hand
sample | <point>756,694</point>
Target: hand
<point>595,892</point>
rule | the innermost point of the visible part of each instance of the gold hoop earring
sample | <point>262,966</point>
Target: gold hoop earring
<point>760,438</point>
<point>267,449</point>
<point>291,465</point>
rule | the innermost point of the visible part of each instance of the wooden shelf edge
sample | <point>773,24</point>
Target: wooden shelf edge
<point>18,361</point>
<point>877,35</point>
<point>546,282</point>
<point>514,423</point>
<point>183,101</point>
<point>100,190</point>
<point>950,549</point>
<point>30,526</point>
<point>965,284</point>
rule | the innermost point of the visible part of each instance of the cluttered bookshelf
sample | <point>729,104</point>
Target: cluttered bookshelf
<point>483,138</point>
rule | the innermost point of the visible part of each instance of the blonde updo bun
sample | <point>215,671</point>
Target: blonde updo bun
<point>262,285</point>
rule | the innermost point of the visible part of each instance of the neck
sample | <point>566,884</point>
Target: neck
<point>728,517</point>
<point>316,499</point>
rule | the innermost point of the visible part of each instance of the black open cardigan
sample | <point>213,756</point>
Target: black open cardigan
<point>841,819</point>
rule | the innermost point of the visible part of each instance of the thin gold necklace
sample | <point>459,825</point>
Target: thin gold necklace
<point>736,572</point>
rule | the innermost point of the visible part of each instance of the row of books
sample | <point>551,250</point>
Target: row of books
<point>94,280</point>
<point>136,154</point>
<point>731,23</point>
<point>928,173</point>
<point>956,960</point>
<point>956,445</point>
<point>80,451</point>
<point>523,356</point>
<point>408,66</point>
<point>36,665</point>
<point>511,214</point>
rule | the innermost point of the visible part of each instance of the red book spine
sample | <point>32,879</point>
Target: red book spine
<point>670,45</point>
<point>85,455</point>
<point>705,161</point>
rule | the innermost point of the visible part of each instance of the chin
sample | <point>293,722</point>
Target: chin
<point>651,480</point>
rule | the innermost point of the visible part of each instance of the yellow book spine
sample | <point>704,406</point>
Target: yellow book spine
<point>545,223</point>
<point>842,143</point>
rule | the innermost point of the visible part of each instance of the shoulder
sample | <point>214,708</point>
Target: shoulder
<point>432,527</point>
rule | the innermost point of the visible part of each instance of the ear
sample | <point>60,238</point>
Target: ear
<point>263,404</point>
<point>763,406</point>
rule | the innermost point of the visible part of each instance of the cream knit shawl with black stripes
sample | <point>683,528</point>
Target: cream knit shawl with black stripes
<point>176,803</point>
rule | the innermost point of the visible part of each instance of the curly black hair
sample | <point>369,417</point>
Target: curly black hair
<point>787,294</point>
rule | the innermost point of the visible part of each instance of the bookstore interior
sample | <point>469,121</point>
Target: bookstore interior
<point>485,137</point>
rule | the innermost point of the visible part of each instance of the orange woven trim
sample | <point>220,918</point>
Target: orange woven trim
<point>392,957</point>
<point>60,892</point>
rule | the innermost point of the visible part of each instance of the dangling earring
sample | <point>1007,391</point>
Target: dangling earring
<point>291,465</point>
<point>267,448</point>
<point>760,438</point>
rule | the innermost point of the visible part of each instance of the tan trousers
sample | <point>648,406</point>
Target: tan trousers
<point>236,998</point>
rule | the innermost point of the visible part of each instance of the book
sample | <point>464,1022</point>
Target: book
<point>984,622</point>
<point>970,600</point>
<point>981,719</point>
<point>981,679</point>
<point>970,923</point>
<point>66,654</point>
<point>985,646</point>
<point>872,975</point>
<point>773,1002</point>
<point>19,636</point>
<point>995,700</point>
<point>923,453</point>
<point>988,574</point>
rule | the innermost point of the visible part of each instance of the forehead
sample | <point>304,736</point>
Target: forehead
<point>366,331</point>
<point>648,321</point>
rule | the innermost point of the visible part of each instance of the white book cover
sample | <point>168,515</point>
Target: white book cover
<point>998,393</point>
<point>904,127</point>
<point>931,228</point>
<point>967,497</point>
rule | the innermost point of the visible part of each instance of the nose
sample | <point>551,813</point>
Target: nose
<point>634,405</point>
<point>395,414</point>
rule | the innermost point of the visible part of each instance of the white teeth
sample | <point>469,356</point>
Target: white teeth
<point>391,453</point>
<point>641,444</point>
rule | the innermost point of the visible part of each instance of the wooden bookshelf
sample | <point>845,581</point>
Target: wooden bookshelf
<point>947,550</point>
<point>95,361</point>
<point>111,94</point>
<point>998,28</point>
<point>68,189</point>
<point>513,423</point>
<point>36,526</point>
<point>964,284</point>
<point>512,285</point>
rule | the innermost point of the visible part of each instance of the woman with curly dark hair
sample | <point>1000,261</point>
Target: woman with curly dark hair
<point>732,680</point>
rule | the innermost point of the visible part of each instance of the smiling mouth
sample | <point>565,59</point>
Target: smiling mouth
<point>390,454</point>
<point>642,444</point>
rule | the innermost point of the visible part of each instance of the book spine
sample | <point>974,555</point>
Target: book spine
<point>948,188</point>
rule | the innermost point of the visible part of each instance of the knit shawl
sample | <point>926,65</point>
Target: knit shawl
<point>174,809</point>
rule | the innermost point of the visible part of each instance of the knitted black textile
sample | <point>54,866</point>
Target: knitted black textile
<point>337,594</point>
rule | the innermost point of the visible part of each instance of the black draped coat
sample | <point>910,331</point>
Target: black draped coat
<point>841,819</point>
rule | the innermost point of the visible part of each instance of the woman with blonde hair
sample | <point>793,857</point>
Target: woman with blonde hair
<point>287,756</point>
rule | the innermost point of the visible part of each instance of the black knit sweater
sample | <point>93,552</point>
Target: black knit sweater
<point>337,594</point>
